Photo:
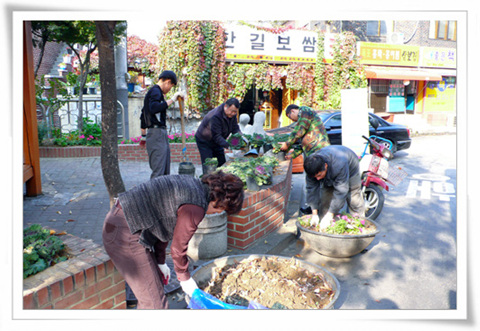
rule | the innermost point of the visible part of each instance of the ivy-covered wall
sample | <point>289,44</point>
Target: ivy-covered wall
<point>195,51</point>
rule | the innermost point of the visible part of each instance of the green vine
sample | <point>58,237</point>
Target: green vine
<point>195,50</point>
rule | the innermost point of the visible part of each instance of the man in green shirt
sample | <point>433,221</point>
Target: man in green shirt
<point>309,129</point>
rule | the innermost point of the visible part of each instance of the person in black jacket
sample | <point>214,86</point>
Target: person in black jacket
<point>215,128</point>
<point>154,120</point>
<point>333,178</point>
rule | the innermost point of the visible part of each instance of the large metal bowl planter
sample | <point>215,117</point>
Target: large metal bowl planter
<point>336,245</point>
<point>203,274</point>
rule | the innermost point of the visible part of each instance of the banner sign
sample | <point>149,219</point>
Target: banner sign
<point>246,44</point>
<point>403,55</point>
<point>388,54</point>
<point>439,57</point>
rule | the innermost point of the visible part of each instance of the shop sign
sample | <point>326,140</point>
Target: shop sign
<point>441,96</point>
<point>387,54</point>
<point>246,44</point>
<point>438,57</point>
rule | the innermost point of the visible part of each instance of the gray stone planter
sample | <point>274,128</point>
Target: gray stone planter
<point>210,239</point>
<point>203,274</point>
<point>334,245</point>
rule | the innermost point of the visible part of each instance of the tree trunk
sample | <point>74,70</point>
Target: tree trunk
<point>109,154</point>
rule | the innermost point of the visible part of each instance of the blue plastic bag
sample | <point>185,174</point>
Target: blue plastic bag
<point>203,300</point>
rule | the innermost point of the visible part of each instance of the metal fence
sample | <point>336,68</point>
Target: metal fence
<point>92,108</point>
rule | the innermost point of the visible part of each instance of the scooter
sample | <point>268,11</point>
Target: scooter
<point>374,169</point>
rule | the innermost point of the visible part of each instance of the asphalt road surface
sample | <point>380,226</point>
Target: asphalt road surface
<point>412,263</point>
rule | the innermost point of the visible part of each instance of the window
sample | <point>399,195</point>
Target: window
<point>446,30</point>
<point>379,86</point>
<point>335,121</point>
<point>376,28</point>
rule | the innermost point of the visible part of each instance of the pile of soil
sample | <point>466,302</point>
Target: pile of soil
<point>272,282</point>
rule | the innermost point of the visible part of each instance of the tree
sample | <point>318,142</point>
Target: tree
<point>109,154</point>
<point>42,33</point>
<point>75,33</point>
<point>142,55</point>
<point>82,33</point>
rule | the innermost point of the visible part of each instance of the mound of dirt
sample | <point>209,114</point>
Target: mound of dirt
<point>272,282</point>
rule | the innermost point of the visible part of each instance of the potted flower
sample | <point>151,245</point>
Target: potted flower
<point>132,80</point>
<point>346,236</point>
<point>236,141</point>
<point>211,164</point>
<point>257,141</point>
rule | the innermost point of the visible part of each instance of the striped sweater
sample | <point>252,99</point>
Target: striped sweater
<point>152,206</point>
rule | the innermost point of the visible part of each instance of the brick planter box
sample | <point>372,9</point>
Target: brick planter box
<point>129,152</point>
<point>262,211</point>
<point>89,280</point>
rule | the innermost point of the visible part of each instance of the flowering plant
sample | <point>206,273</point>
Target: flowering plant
<point>343,224</point>
<point>211,161</point>
<point>256,140</point>
<point>236,141</point>
<point>261,175</point>
<point>133,140</point>
<point>177,137</point>
<point>252,167</point>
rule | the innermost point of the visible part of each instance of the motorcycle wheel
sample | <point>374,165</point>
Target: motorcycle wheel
<point>374,199</point>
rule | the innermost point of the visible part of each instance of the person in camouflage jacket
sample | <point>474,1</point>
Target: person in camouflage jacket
<point>309,129</point>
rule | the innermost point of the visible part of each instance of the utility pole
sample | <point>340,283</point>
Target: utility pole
<point>122,87</point>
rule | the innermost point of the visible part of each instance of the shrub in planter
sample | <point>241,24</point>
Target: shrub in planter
<point>41,249</point>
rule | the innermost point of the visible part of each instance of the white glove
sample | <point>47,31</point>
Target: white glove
<point>314,220</point>
<point>326,220</point>
<point>188,286</point>
<point>165,271</point>
<point>178,94</point>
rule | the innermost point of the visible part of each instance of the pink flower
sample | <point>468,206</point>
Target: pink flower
<point>345,217</point>
<point>363,222</point>
<point>170,136</point>
<point>81,137</point>
<point>122,142</point>
<point>91,137</point>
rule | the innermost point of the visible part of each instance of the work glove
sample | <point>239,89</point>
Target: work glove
<point>314,220</point>
<point>165,272</point>
<point>143,140</point>
<point>326,220</point>
<point>188,286</point>
<point>178,94</point>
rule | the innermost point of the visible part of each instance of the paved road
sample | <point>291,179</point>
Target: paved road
<point>412,263</point>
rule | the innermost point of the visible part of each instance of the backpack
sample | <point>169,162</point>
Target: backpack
<point>145,121</point>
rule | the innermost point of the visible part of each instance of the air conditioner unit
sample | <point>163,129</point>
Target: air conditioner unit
<point>395,38</point>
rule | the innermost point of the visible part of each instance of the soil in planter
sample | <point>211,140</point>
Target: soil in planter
<point>369,227</point>
<point>272,282</point>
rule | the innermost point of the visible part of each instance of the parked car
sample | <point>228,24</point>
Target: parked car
<point>397,134</point>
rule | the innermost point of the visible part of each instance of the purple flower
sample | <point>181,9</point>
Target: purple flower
<point>235,141</point>
<point>260,169</point>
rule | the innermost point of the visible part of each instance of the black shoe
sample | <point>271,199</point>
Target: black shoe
<point>306,211</point>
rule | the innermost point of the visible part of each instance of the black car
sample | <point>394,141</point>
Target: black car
<point>398,134</point>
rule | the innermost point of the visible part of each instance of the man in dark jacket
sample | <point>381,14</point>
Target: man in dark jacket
<point>333,178</point>
<point>155,121</point>
<point>215,128</point>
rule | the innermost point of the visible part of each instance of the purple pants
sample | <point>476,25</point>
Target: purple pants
<point>138,266</point>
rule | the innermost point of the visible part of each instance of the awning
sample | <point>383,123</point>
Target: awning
<point>401,73</point>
